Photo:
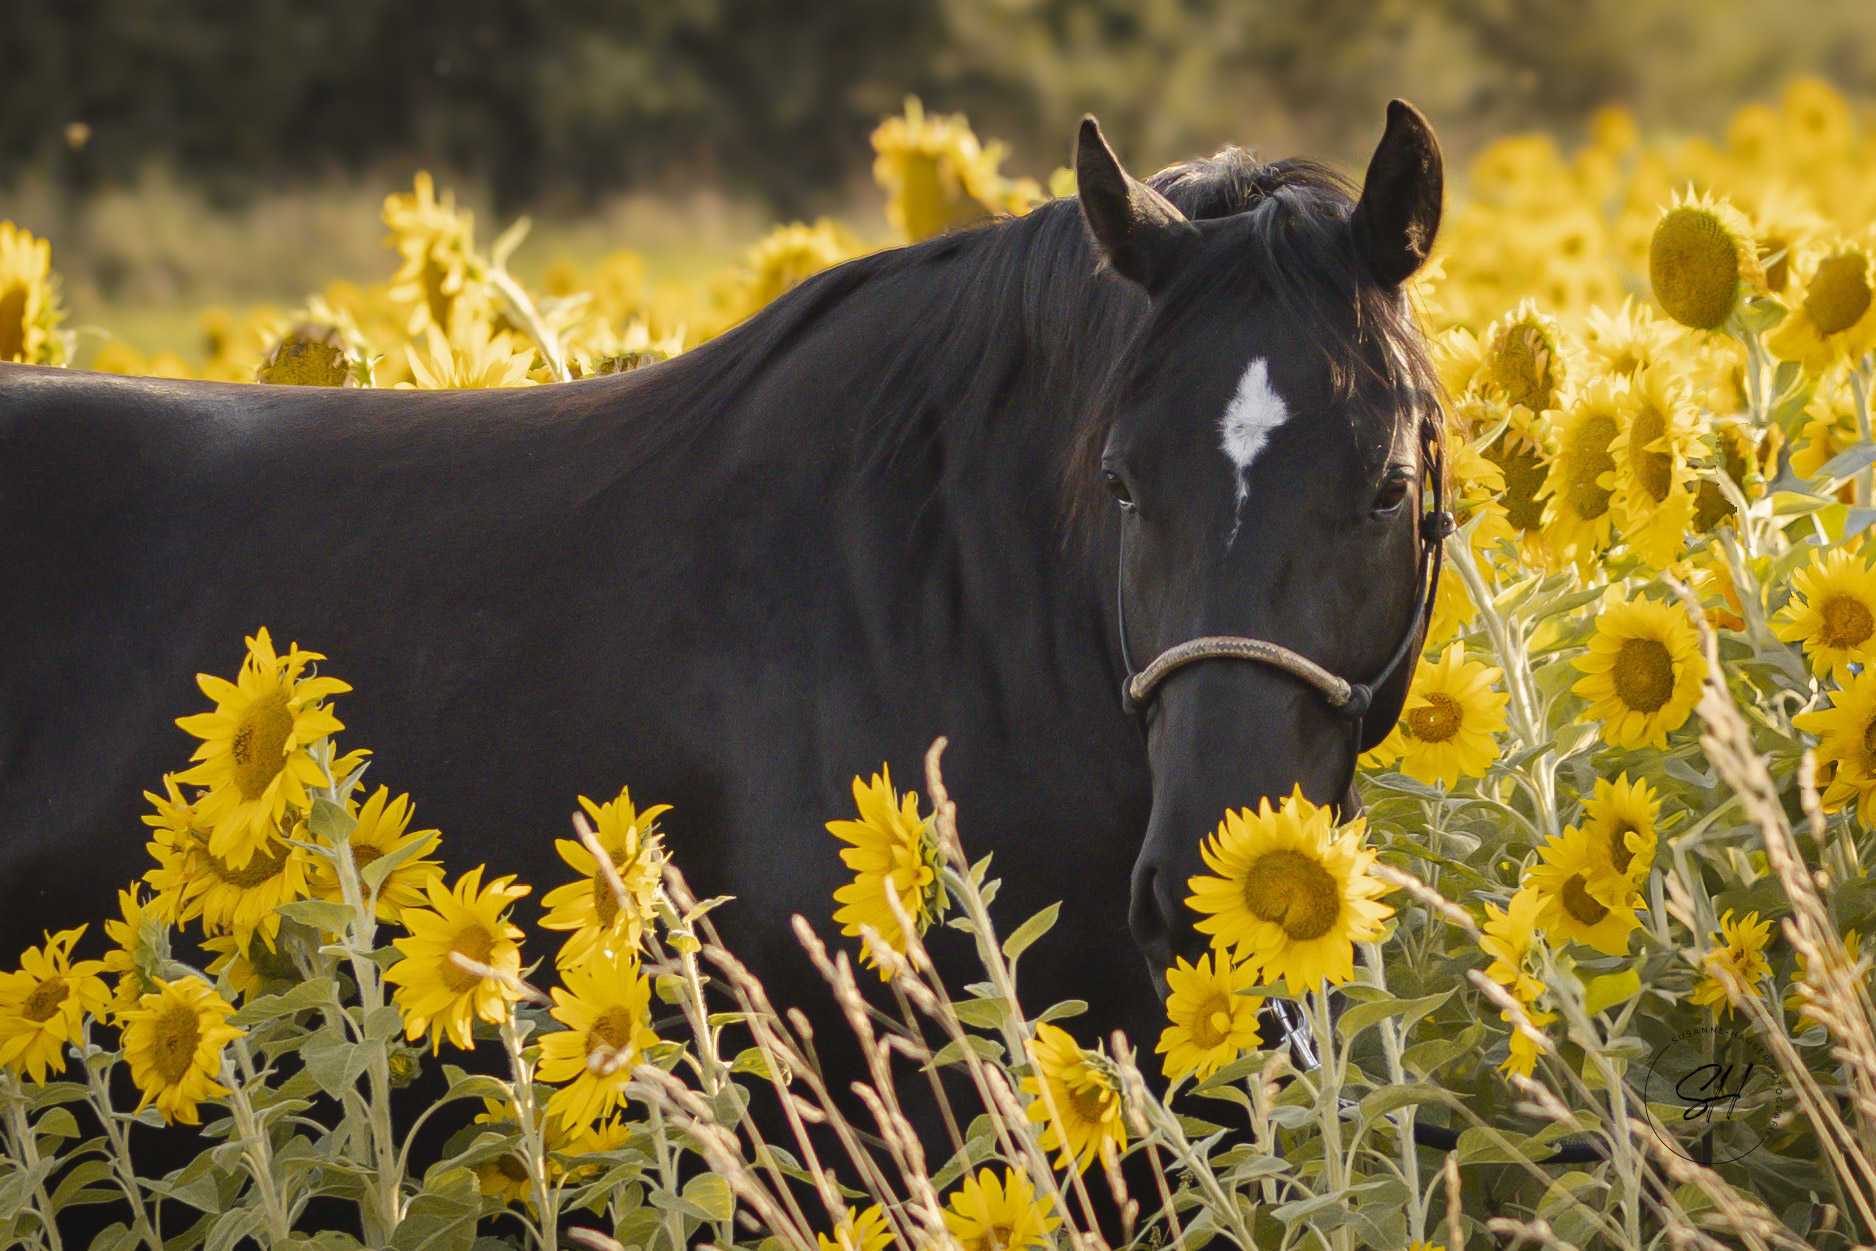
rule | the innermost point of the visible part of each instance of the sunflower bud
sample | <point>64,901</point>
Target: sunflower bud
<point>1701,254</point>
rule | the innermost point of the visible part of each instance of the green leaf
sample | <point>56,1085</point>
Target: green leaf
<point>1611,989</point>
<point>952,1053</point>
<point>271,1007</point>
<point>320,914</point>
<point>1480,1145</point>
<point>233,1226</point>
<point>57,1123</point>
<point>373,874</point>
<point>1360,1016</point>
<point>443,1216</point>
<point>1029,931</point>
<point>1063,1010</point>
<point>331,822</point>
<point>983,1013</point>
<point>711,1194</point>
<point>72,1189</point>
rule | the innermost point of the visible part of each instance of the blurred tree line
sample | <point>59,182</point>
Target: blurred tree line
<point>555,102</point>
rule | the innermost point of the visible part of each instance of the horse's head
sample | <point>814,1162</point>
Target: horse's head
<point>1268,455</point>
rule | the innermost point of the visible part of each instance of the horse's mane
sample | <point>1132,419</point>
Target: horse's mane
<point>1019,315</point>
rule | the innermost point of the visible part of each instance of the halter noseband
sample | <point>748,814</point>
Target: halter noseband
<point>1349,698</point>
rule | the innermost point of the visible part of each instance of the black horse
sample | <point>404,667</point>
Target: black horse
<point>893,505</point>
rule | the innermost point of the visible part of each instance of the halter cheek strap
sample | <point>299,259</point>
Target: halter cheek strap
<point>1352,699</point>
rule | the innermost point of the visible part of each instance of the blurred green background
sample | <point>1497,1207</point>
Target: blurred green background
<point>236,151</point>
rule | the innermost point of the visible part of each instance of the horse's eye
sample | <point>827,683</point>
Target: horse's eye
<point>1117,487</point>
<point>1392,494</point>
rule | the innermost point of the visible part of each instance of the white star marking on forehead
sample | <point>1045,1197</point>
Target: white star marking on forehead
<point>1253,413</point>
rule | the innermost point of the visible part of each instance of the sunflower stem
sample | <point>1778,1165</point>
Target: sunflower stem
<point>384,1210</point>
<point>667,1173</point>
<point>1391,1048</point>
<point>533,1142</point>
<point>119,1142</point>
<point>1519,683</point>
<point>1859,395</point>
<point>256,1149</point>
<point>23,1152</point>
<point>1329,1106</point>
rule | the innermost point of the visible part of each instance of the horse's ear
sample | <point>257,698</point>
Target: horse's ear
<point>1138,229</point>
<point>1399,213</point>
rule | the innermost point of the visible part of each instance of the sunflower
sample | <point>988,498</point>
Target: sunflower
<point>936,175</point>
<point>991,1214</point>
<point>1745,455</point>
<point>381,831</point>
<point>1476,483</point>
<point>1832,612</point>
<point>893,849</point>
<point>236,965</point>
<point>180,848</point>
<point>1291,897</point>
<point>1829,428</point>
<point>173,1041</point>
<point>437,242</point>
<point>1741,952</point>
<point>1566,908</point>
<point>1701,261</point>
<point>43,1005</point>
<point>1077,1097</point>
<point>1623,343</point>
<point>473,355</point>
<point>1847,730</point>
<point>1654,483</point>
<point>588,907</point>
<point>1836,319</point>
<point>1642,672</point>
<point>1580,487</point>
<point>1213,1022</point>
<point>1619,822</point>
<point>29,301</point>
<point>142,941</point>
<point>782,259</point>
<point>1525,362</point>
<point>859,1231</point>
<point>606,1008</point>
<point>437,996</point>
<point>241,901</point>
<point>1798,1000</point>
<point>254,758</point>
<point>1447,725</point>
<point>1509,938</point>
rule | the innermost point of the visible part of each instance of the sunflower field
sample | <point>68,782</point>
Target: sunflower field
<point>1599,926</point>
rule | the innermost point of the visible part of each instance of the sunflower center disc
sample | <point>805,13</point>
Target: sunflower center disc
<point>1089,1098</point>
<point>613,1029</point>
<point>1654,471</point>
<point>1869,747</point>
<point>1846,622</point>
<point>477,944</point>
<point>1522,367</point>
<point>261,867</point>
<point>1693,262</point>
<point>1588,459</point>
<point>13,322</point>
<point>177,1033</point>
<point>1643,674</point>
<point>364,853</point>
<point>1524,472</point>
<point>260,743</point>
<point>1211,1022</point>
<point>45,1000</point>
<point>1620,853</point>
<point>605,903</point>
<point>1438,721</point>
<point>1839,293</point>
<point>1579,903</point>
<point>1295,892</point>
<point>996,1238</point>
